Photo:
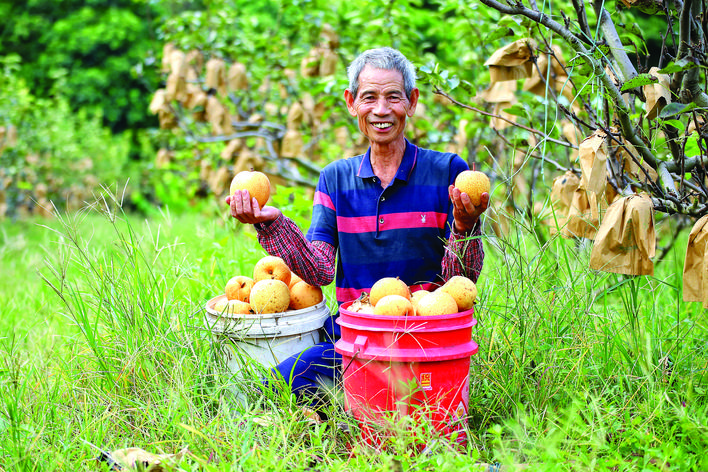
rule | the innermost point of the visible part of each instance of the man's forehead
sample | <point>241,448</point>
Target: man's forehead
<point>375,78</point>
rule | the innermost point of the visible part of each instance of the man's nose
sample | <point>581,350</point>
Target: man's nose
<point>381,107</point>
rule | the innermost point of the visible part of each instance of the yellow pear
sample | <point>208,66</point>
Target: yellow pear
<point>415,298</point>
<point>463,290</point>
<point>294,278</point>
<point>474,184</point>
<point>271,267</point>
<point>257,184</point>
<point>232,307</point>
<point>436,303</point>
<point>304,295</point>
<point>270,296</point>
<point>239,288</point>
<point>388,286</point>
<point>393,305</point>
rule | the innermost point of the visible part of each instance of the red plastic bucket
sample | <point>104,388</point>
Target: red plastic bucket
<point>397,367</point>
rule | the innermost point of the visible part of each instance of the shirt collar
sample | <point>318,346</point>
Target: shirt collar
<point>410,157</point>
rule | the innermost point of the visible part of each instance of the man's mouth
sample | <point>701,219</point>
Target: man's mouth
<point>382,125</point>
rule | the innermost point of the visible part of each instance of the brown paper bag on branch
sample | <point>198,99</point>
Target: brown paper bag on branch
<point>570,132</point>
<point>166,54</point>
<point>626,240</point>
<point>658,94</point>
<point>232,148</point>
<point>219,181</point>
<point>564,187</point>
<point>247,160</point>
<point>216,76</point>
<point>292,144</point>
<point>195,59</point>
<point>296,114</point>
<point>500,92</point>
<point>511,62</point>
<point>551,71</point>
<point>176,88</point>
<point>237,77</point>
<point>592,152</point>
<point>328,64</point>
<point>583,217</point>
<point>159,106</point>
<point>310,64</point>
<point>218,116</point>
<point>695,268</point>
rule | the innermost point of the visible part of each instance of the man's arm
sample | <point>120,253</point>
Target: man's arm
<point>313,261</point>
<point>464,254</point>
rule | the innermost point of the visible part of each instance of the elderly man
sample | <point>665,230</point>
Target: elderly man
<point>392,211</point>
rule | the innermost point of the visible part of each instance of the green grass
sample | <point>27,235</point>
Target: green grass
<point>102,347</point>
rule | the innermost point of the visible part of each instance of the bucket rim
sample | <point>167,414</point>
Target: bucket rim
<point>209,308</point>
<point>460,314</point>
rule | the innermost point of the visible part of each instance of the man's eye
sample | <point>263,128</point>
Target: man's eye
<point>395,98</point>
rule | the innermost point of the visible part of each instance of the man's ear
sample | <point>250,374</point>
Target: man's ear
<point>349,98</point>
<point>415,93</point>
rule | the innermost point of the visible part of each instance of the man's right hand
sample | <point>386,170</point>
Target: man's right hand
<point>246,209</point>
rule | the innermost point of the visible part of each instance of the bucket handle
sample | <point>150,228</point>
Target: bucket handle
<point>360,344</point>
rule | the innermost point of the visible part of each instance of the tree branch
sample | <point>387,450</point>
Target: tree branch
<point>625,66</point>
<point>513,123</point>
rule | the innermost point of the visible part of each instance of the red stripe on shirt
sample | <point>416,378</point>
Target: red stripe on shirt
<point>324,200</point>
<point>349,294</point>
<point>405,220</point>
<point>357,224</point>
<point>427,219</point>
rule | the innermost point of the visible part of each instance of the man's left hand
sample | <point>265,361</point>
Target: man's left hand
<point>465,213</point>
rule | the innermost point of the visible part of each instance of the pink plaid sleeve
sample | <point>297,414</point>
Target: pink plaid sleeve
<point>313,261</point>
<point>464,254</point>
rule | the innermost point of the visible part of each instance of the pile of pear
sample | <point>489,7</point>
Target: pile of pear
<point>273,288</point>
<point>390,296</point>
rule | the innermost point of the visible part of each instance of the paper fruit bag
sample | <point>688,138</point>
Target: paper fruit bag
<point>626,240</point>
<point>512,61</point>
<point>695,268</point>
<point>564,186</point>
<point>583,215</point>
<point>592,152</point>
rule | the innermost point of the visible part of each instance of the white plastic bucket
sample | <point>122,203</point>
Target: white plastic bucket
<point>269,338</point>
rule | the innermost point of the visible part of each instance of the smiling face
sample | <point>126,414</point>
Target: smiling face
<point>381,105</point>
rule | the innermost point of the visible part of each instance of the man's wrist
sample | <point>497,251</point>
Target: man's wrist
<point>269,227</point>
<point>458,232</point>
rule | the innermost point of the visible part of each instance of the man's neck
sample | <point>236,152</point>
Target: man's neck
<point>385,160</point>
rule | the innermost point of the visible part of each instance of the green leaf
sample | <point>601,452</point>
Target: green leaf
<point>672,109</point>
<point>676,124</point>
<point>601,51</point>
<point>679,66</point>
<point>638,81</point>
<point>580,65</point>
<point>453,82</point>
<point>500,32</point>
<point>516,109</point>
<point>692,148</point>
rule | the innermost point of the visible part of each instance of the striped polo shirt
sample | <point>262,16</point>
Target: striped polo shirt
<point>399,231</point>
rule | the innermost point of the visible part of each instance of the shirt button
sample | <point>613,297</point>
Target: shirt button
<point>373,179</point>
<point>383,199</point>
<point>380,220</point>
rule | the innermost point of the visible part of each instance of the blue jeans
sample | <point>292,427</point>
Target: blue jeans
<point>316,366</point>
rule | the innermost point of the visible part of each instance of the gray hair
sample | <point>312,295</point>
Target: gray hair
<point>382,58</point>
